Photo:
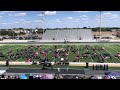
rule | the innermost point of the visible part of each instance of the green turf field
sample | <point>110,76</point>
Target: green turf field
<point>111,49</point>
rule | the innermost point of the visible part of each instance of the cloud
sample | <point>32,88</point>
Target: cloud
<point>84,17</point>
<point>40,15</point>
<point>23,21</point>
<point>4,23</point>
<point>49,13</point>
<point>38,21</point>
<point>110,15</point>
<point>82,11</point>
<point>10,14</point>
<point>69,18</point>
<point>85,22</point>
<point>107,17</point>
<point>4,12</point>
<point>10,23</point>
<point>27,22</point>
<point>58,20</point>
<point>8,11</point>
<point>16,22</point>
<point>114,16</point>
<point>20,14</point>
<point>77,20</point>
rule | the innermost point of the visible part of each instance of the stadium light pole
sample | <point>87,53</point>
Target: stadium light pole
<point>13,32</point>
<point>100,25</point>
<point>0,33</point>
<point>13,35</point>
<point>43,14</point>
<point>45,20</point>
<point>66,29</point>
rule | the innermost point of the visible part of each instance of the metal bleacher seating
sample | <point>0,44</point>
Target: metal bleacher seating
<point>74,34</point>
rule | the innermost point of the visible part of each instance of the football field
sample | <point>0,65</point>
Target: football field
<point>85,52</point>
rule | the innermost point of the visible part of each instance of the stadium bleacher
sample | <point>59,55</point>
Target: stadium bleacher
<point>62,35</point>
<point>49,35</point>
<point>75,34</point>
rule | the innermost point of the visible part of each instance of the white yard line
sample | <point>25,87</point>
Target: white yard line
<point>54,59</point>
<point>110,54</point>
<point>69,51</point>
<point>78,49</point>
<point>62,47</point>
<point>102,55</point>
<point>112,48</point>
<point>48,53</point>
<point>91,58</point>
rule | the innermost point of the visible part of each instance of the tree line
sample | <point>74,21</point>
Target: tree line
<point>4,32</point>
<point>13,33</point>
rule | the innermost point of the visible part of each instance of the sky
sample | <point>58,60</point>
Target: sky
<point>58,19</point>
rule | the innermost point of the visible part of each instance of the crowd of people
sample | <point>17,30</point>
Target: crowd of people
<point>9,77</point>
<point>59,76</point>
<point>100,67</point>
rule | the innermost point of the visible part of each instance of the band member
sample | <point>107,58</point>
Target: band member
<point>47,64</point>
<point>7,62</point>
